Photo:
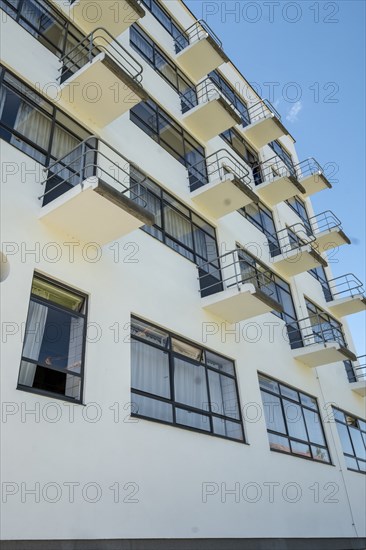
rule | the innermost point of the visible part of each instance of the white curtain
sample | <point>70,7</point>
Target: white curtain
<point>33,125</point>
<point>72,388</point>
<point>36,323</point>
<point>149,369</point>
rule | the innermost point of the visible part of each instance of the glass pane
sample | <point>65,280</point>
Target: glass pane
<point>60,383</point>
<point>227,428</point>
<point>339,415</point>
<point>362,424</point>
<point>190,384</point>
<point>57,295</point>
<point>320,454</point>
<point>351,463</point>
<point>178,227</point>
<point>309,401</point>
<point>273,413</point>
<point>268,384</point>
<point>186,349</point>
<point>150,369</point>
<point>345,438</point>
<point>294,419</point>
<point>151,408</point>
<point>223,395</point>
<point>300,449</point>
<point>358,443</point>
<point>219,363</point>
<point>278,443</point>
<point>362,465</point>
<point>314,427</point>
<point>194,420</point>
<point>53,338</point>
<point>288,392</point>
<point>149,333</point>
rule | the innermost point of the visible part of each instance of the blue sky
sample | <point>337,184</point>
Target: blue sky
<point>319,46</point>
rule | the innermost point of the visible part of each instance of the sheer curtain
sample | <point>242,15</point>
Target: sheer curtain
<point>34,126</point>
<point>36,323</point>
<point>72,388</point>
<point>150,369</point>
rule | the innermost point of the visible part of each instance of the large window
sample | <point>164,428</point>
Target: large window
<point>319,274</point>
<point>262,217</point>
<point>147,48</point>
<point>231,95</point>
<point>241,148</point>
<point>181,383</point>
<point>296,204</point>
<point>53,352</point>
<point>324,326</point>
<point>34,125</point>
<point>157,124</point>
<point>352,433</point>
<point>280,151</point>
<point>44,23</point>
<point>165,19</point>
<point>176,225</point>
<point>293,421</point>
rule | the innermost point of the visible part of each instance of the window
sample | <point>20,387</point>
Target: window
<point>262,217</point>
<point>241,148</point>
<point>350,371</point>
<point>352,433</point>
<point>157,124</point>
<point>157,59</point>
<point>168,23</point>
<point>181,383</point>
<point>283,154</point>
<point>293,421</point>
<point>324,326</point>
<point>53,352</point>
<point>44,23</point>
<point>319,274</point>
<point>34,125</point>
<point>231,95</point>
<point>300,208</point>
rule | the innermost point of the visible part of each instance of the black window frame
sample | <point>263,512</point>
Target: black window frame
<point>18,15</point>
<point>331,324</point>
<point>57,307</point>
<point>283,154</point>
<point>168,23</point>
<point>308,442</point>
<point>252,156</point>
<point>26,94</point>
<point>320,275</point>
<point>263,210</point>
<point>232,95</point>
<point>176,404</point>
<point>363,437</point>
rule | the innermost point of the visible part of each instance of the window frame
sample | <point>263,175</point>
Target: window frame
<point>177,404</point>
<point>57,307</point>
<point>281,151</point>
<point>354,456</point>
<point>287,436</point>
<point>263,210</point>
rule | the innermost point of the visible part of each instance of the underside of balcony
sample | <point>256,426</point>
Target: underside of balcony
<point>318,354</point>
<point>347,305</point>
<point>279,189</point>
<point>298,260</point>
<point>209,119</point>
<point>201,57</point>
<point>263,131</point>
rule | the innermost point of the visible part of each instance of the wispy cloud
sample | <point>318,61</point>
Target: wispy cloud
<point>292,114</point>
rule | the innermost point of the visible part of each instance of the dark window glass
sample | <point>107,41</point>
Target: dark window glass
<point>299,207</point>
<point>162,128</point>
<point>231,95</point>
<point>319,274</point>
<point>241,148</point>
<point>352,433</point>
<point>33,125</point>
<point>324,326</point>
<point>260,216</point>
<point>181,383</point>
<point>283,154</point>
<point>53,351</point>
<point>293,421</point>
<point>158,11</point>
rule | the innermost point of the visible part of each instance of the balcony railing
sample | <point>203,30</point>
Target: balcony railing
<point>262,109</point>
<point>94,193</point>
<point>198,31</point>
<point>114,16</point>
<point>217,166</point>
<point>328,231</point>
<point>97,42</point>
<point>206,91</point>
<point>325,221</point>
<point>276,181</point>
<point>311,175</point>
<point>360,369</point>
<point>265,124</point>
<point>345,286</point>
<point>293,238</point>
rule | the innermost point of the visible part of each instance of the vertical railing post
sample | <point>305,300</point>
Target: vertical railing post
<point>90,47</point>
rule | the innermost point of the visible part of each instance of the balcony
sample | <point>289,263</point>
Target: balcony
<point>94,194</point>
<point>276,182</point>
<point>221,184</point>
<point>265,126</point>
<point>311,176</point>
<point>213,114</point>
<point>327,230</point>
<point>114,16</point>
<point>346,296</point>
<point>296,253</point>
<point>316,342</point>
<point>235,291</point>
<point>100,81</point>
<point>199,51</point>
<point>358,382</point>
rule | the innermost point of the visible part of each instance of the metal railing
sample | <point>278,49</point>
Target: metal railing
<point>200,29</point>
<point>294,238</point>
<point>274,168</point>
<point>232,269</point>
<point>94,158</point>
<point>345,286</point>
<point>262,109</point>
<point>325,221</point>
<point>217,166</point>
<point>316,329</point>
<point>308,167</point>
<point>360,369</point>
<point>206,91</point>
<point>97,42</point>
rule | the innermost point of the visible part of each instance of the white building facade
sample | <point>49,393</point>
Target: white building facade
<point>177,370</point>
